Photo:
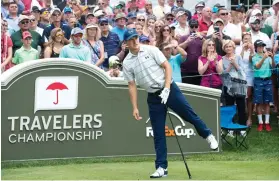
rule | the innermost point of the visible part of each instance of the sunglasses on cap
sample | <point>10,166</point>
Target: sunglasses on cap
<point>56,14</point>
<point>24,22</point>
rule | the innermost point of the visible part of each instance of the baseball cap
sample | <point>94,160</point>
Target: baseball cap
<point>169,13</point>
<point>200,4</point>
<point>143,38</point>
<point>240,8</point>
<point>255,12</point>
<point>275,2</point>
<point>92,25</point>
<point>36,9</point>
<point>55,9</point>
<point>76,31</point>
<point>130,33</point>
<point>120,15</point>
<point>22,17</point>
<point>253,19</point>
<point>259,43</point>
<point>193,22</point>
<point>218,20</point>
<point>180,13</point>
<point>103,20</point>
<point>67,9</point>
<point>45,9</point>
<point>218,5</point>
<point>26,34</point>
<point>131,15</point>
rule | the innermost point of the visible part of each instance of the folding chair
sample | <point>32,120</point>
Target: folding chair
<point>227,115</point>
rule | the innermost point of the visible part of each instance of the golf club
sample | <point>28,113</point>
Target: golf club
<point>182,154</point>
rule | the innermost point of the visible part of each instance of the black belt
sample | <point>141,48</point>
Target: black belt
<point>259,78</point>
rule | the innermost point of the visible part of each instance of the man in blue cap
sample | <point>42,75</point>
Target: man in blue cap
<point>147,66</point>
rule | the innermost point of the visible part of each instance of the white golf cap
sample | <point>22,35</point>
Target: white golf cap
<point>255,12</point>
<point>91,26</point>
<point>275,2</point>
<point>253,19</point>
<point>76,31</point>
<point>55,9</point>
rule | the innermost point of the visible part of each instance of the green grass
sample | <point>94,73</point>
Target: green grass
<point>259,162</point>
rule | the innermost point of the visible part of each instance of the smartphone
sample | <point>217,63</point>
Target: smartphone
<point>216,28</point>
<point>193,34</point>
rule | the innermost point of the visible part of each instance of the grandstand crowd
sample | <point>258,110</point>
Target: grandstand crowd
<point>234,50</point>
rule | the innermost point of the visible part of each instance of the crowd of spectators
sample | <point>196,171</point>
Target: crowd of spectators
<point>234,50</point>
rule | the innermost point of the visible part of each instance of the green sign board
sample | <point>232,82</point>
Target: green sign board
<point>59,108</point>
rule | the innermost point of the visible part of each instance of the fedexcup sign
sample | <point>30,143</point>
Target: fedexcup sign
<point>55,93</point>
<point>180,128</point>
<point>61,108</point>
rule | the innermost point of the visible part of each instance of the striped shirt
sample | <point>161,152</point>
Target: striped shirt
<point>145,68</point>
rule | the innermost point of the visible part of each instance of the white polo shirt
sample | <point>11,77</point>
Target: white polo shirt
<point>230,30</point>
<point>145,68</point>
<point>263,37</point>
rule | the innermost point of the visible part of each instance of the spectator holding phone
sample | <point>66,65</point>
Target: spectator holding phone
<point>263,62</point>
<point>246,51</point>
<point>218,36</point>
<point>192,44</point>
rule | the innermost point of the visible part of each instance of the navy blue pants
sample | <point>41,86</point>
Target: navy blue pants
<point>158,111</point>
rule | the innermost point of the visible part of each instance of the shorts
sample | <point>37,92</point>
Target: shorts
<point>250,81</point>
<point>263,90</point>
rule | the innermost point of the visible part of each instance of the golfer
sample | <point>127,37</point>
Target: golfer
<point>147,66</point>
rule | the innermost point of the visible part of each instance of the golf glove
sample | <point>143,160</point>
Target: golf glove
<point>165,95</point>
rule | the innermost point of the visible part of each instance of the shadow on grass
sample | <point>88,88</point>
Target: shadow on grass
<point>263,146</point>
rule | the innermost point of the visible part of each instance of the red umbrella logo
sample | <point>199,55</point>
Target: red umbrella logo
<point>56,86</point>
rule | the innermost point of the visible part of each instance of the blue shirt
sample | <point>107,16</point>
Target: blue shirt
<point>175,62</point>
<point>66,29</point>
<point>111,46</point>
<point>80,52</point>
<point>265,70</point>
<point>119,32</point>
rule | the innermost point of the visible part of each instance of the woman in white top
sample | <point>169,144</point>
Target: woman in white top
<point>246,51</point>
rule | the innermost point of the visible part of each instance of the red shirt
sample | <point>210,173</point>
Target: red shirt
<point>203,26</point>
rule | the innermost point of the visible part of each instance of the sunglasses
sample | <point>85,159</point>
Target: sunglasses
<point>32,20</point>
<point>103,24</point>
<point>78,35</point>
<point>179,1</point>
<point>224,14</point>
<point>6,25</point>
<point>211,44</point>
<point>56,15</point>
<point>24,22</point>
<point>13,6</point>
<point>166,30</point>
<point>256,23</point>
<point>194,27</point>
<point>60,34</point>
<point>246,33</point>
<point>170,19</point>
<point>158,26</point>
<point>141,19</point>
<point>45,13</point>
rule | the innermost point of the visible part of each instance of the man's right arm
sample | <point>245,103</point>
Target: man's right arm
<point>133,94</point>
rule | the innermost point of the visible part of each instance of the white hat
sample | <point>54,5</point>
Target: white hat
<point>23,17</point>
<point>253,19</point>
<point>91,25</point>
<point>76,31</point>
<point>275,2</point>
<point>55,9</point>
<point>255,12</point>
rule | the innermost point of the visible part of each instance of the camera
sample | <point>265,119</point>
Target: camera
<point>216,28</point>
